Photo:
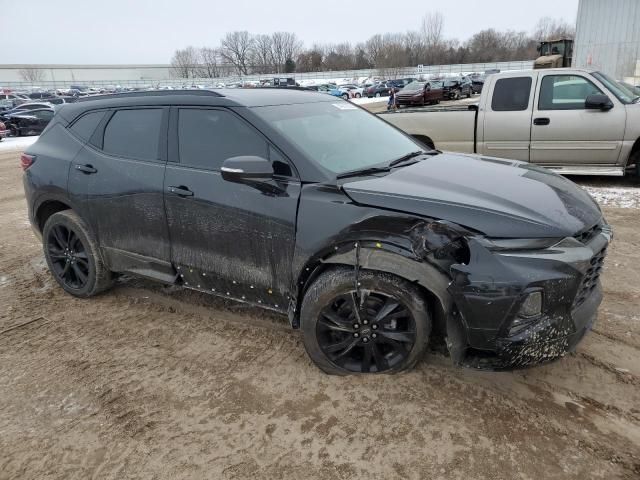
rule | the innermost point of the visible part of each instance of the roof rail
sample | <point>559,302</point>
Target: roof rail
<point>150,93</point>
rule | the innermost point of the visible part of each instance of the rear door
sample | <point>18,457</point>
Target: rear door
<point>505,118</point>
<point>121,173</point>
<point>228,238</point>
<point>565,133</point>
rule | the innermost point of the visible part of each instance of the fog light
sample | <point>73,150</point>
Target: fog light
<point>532,305</point>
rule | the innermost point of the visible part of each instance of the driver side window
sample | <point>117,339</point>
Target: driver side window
<point>565,92</point>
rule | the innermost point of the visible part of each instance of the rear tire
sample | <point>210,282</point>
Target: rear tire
<point>388,333</point>
<point>73,256</point>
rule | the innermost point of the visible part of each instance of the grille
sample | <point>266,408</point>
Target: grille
<point>591,277</point>
<point>587,235</point>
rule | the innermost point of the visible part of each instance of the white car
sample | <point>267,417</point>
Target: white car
<point>354,90</point>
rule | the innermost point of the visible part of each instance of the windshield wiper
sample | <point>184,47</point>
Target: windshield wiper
<point>404,158</point>
<point>363,171</point>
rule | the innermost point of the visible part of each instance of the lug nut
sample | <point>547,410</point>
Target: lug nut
<point>355,325</point>
<point>365,321</point>
<point>356,334</point>
<point>365,339</point>
<point>374,335</point>
<point>374,326</point>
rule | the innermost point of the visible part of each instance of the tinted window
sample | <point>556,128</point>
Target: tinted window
<point>86,125</point>
<point>511,94</point>
<point>565,92</point>
<point>134,134</point>
<point>208,137</point>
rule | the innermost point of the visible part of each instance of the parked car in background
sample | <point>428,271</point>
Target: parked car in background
<point>61,100</point>
<point>15,98</point>
<point>477,82</point>
<point>400,83</point>
<point>456,88</point>
<point>31,122</point>
<point>381,89</point>
<point>40,95</point>
<point>420,93</point>
<point>4,132</point>
<point>25,107</point>
<point>355,90</point>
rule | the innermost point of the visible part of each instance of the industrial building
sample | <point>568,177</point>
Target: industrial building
<point>608,38</point>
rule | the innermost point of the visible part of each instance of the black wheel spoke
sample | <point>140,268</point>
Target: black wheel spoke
<point>83,255</point>
<point>403,337</point>
<point>59,237</point>
<point>389,306</point>
<point>80,275</point>
<point>356,306</point>
<point>368,355</point>
<point>65,270</point>
<point>353,343</point>
<point>381,362</point>
<point>332,324</point>
<point>83,263</point>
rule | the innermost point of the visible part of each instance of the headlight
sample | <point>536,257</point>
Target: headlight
<point>507,244</point>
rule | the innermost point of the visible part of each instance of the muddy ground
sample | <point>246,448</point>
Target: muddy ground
<point>149,382</point>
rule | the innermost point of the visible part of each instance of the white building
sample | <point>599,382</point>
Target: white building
<point>608,38</point>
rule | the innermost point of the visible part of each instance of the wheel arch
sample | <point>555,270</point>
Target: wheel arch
<point>634,156</point>
<point>381,257</point>
<point>47,208</point>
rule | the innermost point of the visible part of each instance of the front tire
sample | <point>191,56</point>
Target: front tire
<point>377,94</point>
<point>382,328</point>
<point>73,256</point>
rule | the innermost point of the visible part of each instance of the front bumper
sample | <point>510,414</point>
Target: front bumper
<point>489,292</point>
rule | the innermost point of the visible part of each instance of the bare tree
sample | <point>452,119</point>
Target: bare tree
<point>262,57</point>
<point>184,63</point>
<point>209,63</point>
<point>236,49</point>
<point>284,46</point>
<point>432,28</point>
<point>549,28</point>
<point>31,74</point>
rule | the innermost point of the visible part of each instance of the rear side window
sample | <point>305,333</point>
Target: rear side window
<point>134,134</point>
<point>207,138</point>
<point>511,94</point>
<point>86,125</point>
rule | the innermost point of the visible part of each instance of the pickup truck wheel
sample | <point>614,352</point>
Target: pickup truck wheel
<point>73,255</point>
<point>383,327</point>
<point>377,94</point>
<point>456,96</point>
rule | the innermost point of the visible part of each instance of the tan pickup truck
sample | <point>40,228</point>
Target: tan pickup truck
<point>578,122</point>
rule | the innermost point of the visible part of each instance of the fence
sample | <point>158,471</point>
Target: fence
<point>343,74</point>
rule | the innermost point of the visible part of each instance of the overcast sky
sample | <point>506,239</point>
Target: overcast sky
<point>148,31</point>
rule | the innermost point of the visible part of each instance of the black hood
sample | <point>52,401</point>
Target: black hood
<point>500,198</point>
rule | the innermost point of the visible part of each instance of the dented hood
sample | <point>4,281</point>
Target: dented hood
<point>500,198</point>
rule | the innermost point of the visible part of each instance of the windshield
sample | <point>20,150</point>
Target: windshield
<point>621,92</point>
<point>414,86</point>
<point>338,136</point>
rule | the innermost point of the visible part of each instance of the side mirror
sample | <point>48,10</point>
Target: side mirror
<point>246,168</point>
<point>598,102</point>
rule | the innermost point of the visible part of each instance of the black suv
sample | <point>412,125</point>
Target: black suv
<point>313,207</point>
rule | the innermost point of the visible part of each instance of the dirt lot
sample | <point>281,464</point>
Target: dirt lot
<point>153,382</point>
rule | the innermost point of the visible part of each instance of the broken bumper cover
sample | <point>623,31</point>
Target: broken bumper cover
<point>490,292</point>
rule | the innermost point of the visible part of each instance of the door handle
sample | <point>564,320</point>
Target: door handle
<point>541,121</point>
<point>180,191</point>
<point>88,169</point>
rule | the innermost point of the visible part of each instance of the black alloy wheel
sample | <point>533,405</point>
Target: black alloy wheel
<point>381,325</point>
<point>368,333</point>
<point>69,259</point>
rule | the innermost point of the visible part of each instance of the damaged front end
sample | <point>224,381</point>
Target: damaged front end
<point>525,302</point>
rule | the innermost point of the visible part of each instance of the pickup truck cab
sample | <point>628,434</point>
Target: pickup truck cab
<point>578,122</point>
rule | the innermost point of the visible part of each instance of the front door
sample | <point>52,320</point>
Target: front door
<point>564,132</point>
<point>506,117</point>
<point>228,238</point>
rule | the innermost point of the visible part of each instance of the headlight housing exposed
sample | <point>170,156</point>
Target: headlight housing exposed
<point>517,244</point>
